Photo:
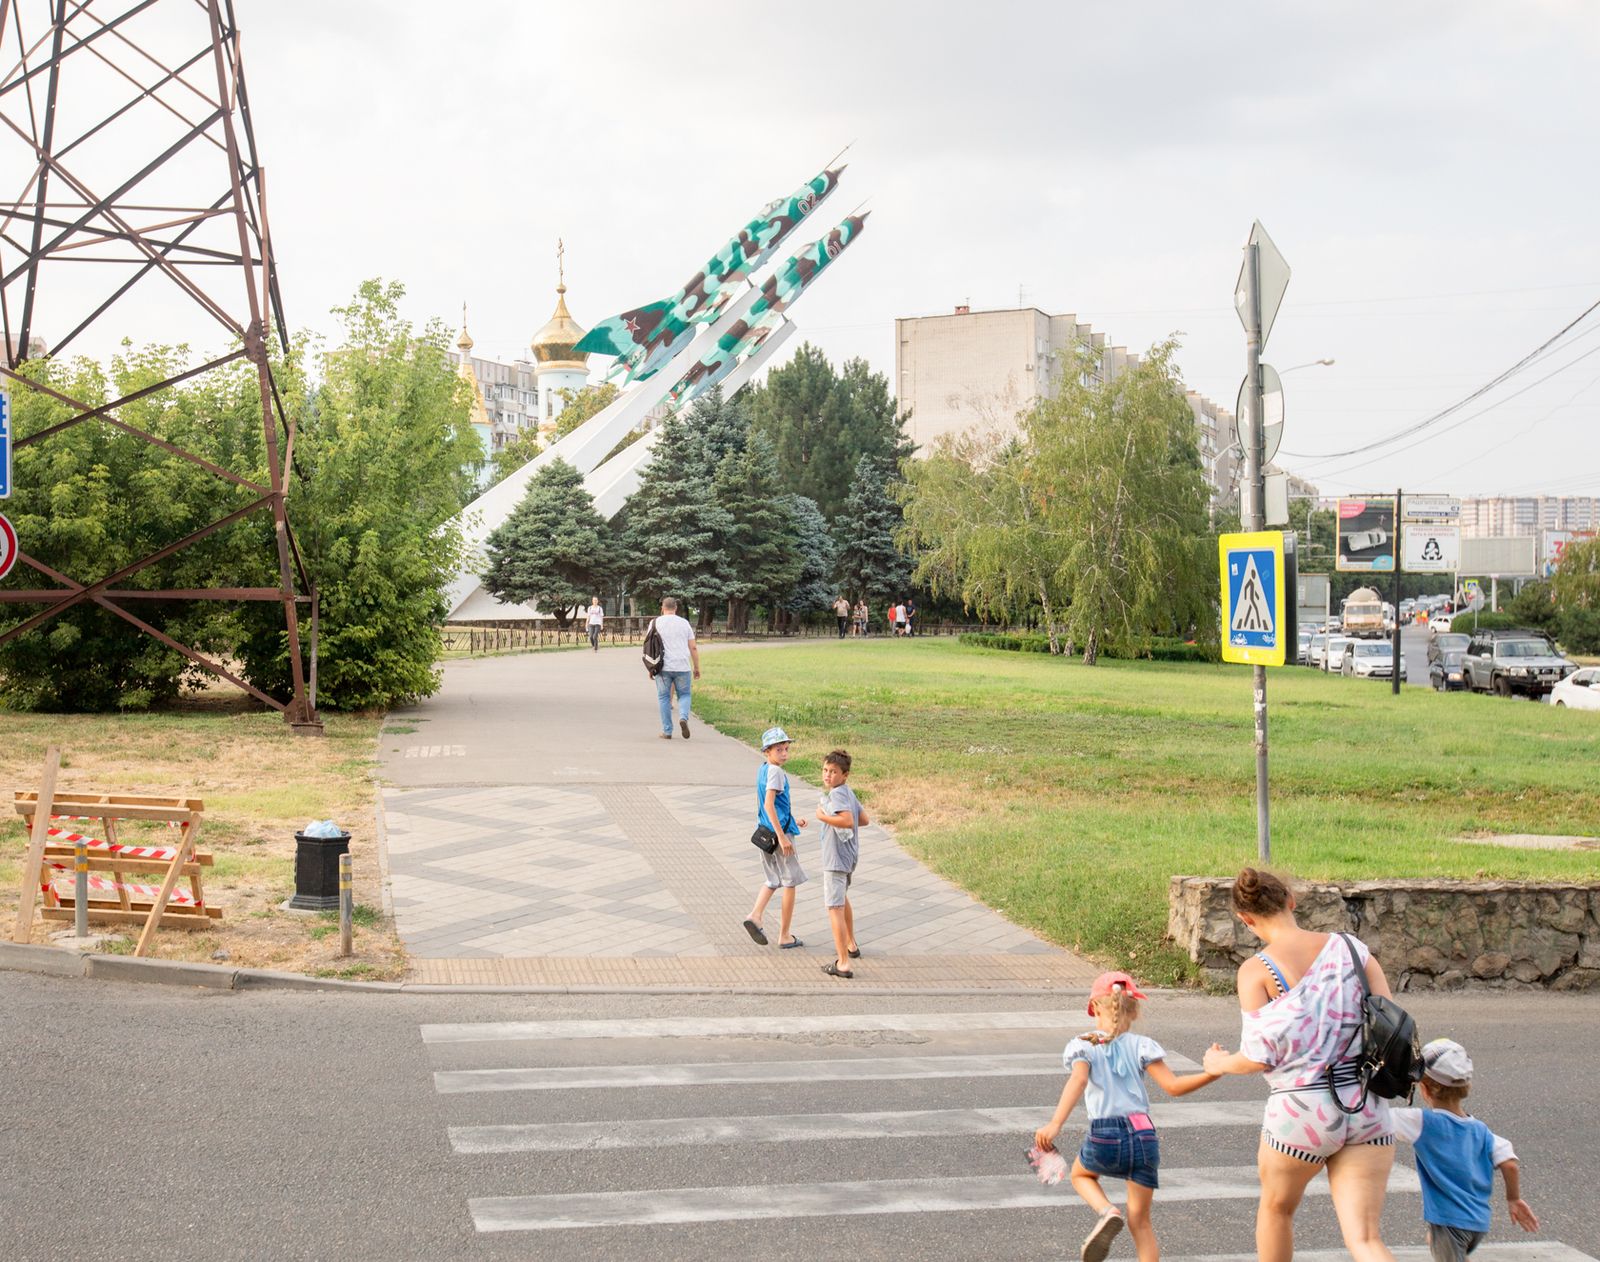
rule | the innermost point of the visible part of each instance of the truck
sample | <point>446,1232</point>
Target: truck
<point>1363,614</point>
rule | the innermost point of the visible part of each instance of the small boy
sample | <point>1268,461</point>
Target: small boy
<point>1457,1156</point>
<point>781,869</point>
<point>841,815</point>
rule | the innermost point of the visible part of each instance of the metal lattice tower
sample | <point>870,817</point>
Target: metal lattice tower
<point>130,190</point>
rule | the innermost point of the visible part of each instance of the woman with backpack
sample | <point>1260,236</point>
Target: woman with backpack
<point>1303,1002</point>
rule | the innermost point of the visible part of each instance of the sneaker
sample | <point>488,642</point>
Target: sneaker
<point>1098,1242</point>
<point>683,726</point>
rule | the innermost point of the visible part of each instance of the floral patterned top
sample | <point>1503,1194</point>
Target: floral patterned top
<point>1316,1024</point>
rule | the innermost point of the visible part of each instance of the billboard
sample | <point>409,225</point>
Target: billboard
<point>1366,534</point>
<point>1509,556</point>
<point>1554,543</point>
<point>1434,548</point>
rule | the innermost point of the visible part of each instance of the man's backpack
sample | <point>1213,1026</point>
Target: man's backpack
<point>655,651</point>
<point>1389,1064</point>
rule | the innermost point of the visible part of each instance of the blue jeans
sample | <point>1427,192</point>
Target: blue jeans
<point>666,681</point>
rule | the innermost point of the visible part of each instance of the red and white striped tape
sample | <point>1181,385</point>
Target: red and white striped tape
<point>178,897</point>
<point>125,852</point>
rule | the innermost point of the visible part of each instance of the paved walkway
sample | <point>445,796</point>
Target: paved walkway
<point>541,833</point>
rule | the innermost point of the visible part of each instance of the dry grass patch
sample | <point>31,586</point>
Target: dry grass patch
<point>260,783</point>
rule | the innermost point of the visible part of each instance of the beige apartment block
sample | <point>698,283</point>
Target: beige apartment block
<point>1496,516</point>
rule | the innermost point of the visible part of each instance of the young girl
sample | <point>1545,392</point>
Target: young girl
<point>781,869</point>
<point>1109,1064</point>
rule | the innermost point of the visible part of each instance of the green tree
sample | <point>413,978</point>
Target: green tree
<point>1116,469</point>
<point>672,522</point>
<point>92,499</point>
<point>871,565</point>
<point>386,457</point>
<point>554,549</point>
<point>814,586</point>
<point>1576,589</point>
<point>758,538</point>
<point>821,423</point>
<point>978,527</point>
<point>581,404</point>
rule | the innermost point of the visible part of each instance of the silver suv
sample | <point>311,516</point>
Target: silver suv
<point>1513,663</point>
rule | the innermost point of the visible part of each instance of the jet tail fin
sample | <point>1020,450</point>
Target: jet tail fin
<point>623,334</point>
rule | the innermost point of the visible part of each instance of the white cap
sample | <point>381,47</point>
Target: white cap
<point>1446,1062</point>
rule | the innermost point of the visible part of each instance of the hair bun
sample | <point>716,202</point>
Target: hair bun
<point>1259,893</point>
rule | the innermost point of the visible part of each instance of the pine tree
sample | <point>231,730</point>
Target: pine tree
<point>870,564</point>
<point>673,523</point>
<point>759,536</point>
<point>554,549</point>
<point>814,587</point>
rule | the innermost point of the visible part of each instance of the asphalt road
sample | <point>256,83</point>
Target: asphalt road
<point>145,1122</point>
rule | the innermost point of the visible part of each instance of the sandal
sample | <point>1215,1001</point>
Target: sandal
<point>789,946</point>
<point>854,953</point>
<point>832,969</point>
<point>756,935</point>
<point>1098,1242</point>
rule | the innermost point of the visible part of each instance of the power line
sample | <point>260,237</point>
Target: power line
<point>1460,403</point>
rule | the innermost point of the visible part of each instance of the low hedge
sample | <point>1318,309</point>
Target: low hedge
<point>1159,649</point>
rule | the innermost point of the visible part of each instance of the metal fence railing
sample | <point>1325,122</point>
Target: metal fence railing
<point>522,637</point>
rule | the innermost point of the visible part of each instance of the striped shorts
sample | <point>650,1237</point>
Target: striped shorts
<point>1305,1123</point>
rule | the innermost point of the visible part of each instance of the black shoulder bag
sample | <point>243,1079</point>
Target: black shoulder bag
<point>1389,1065</point>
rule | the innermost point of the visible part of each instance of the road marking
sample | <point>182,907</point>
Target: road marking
<point>756,1027</point>
<point>852,1069</point>
<point>435,751</point>
<point>1510,1251</point>
<point>808,1127</point>
<point>645,1207</point>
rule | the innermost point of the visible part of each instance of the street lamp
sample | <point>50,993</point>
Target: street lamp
<point>1314,363</point>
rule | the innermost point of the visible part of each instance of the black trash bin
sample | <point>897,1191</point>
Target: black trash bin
<point>316,871</point>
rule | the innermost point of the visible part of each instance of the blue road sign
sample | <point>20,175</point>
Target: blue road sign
<point>1252,597</point>
<point>5,444</point>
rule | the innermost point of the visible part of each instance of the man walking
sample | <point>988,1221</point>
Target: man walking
<point>841,611</point>
<point>680,664</point>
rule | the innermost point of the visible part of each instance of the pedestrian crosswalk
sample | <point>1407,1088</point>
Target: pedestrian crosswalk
<point>824,1120</point>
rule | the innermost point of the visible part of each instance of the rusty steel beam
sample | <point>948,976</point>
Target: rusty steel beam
<point>45,595</point>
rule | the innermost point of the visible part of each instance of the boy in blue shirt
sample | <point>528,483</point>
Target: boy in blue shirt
<point>1457,1156</point>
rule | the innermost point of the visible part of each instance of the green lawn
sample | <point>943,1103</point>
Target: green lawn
<point>1066,796</point>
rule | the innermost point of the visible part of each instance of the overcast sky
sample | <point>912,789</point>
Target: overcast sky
<point>1428,169</point>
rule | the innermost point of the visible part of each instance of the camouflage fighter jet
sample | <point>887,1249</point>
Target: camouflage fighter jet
<point>780,292</point>
<point>645,338</point>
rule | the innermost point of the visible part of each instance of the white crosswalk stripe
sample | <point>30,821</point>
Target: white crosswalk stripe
<point>807,1091</point>
<point>829,1200</point>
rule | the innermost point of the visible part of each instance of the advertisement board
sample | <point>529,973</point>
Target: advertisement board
<point>1554,543</point>
<point>1430,549</point>
<point>1367,534</point>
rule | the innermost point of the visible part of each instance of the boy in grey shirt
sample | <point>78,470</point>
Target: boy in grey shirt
<point>842,816</point>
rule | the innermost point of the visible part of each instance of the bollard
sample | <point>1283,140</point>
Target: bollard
<point>80,888</point>
<point>346,907</point>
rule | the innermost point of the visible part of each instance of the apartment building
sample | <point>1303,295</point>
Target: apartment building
<point>1498,516</point>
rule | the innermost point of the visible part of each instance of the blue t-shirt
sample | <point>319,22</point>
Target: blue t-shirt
<point>1116,1073</point>
<point>774,775</point>
<point>1455,1162</point>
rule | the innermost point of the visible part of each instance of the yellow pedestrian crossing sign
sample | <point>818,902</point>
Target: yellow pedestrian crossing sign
<point>1253,579</point>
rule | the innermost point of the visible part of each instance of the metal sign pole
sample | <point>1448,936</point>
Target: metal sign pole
<point>1399,561</point>
<point>1255,477</point>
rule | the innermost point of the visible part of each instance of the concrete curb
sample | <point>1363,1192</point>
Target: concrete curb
<point>50,962</point>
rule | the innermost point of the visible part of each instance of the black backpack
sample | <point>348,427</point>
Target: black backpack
<point>1390,1061</point>
<point>654,650</point>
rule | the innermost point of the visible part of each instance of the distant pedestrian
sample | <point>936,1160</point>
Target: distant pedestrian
<point>1108,1064</point>
<point>781,869</point>
<point>911,616</point>
<point>842,816</point>
<point>680,665</point>
<point>899,618</point>
<point>861,617</point>
<point>597,619</point>
<point>1457,1156</point>
<point>841,611</point>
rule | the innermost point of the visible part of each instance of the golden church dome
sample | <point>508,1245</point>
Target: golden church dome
<point>555,345</point>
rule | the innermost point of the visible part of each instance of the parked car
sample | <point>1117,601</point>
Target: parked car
<point>1333,654</point>
<point>1367,660</point>
<point>1445,671</point>
<point>1305,644</point>
<point>1514,663</point>
<point>1439,623</point>
<point>1315,650</point>
<point>1579,690</point>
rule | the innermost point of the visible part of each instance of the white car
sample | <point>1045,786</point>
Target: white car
<point>1333,653</point>
<point>1362,540</point>
<point>1372,659</point>
<point>1579,690</point>
<point>1439,623</point>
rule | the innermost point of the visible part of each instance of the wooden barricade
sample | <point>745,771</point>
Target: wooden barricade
<point>114,899</point>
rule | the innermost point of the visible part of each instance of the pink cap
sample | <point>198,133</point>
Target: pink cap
<point>1107,982</point>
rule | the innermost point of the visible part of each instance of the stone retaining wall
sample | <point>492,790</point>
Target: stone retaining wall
<point>1428,935</point>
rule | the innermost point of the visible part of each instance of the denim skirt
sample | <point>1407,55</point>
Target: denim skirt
<point>1115,1150</point>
